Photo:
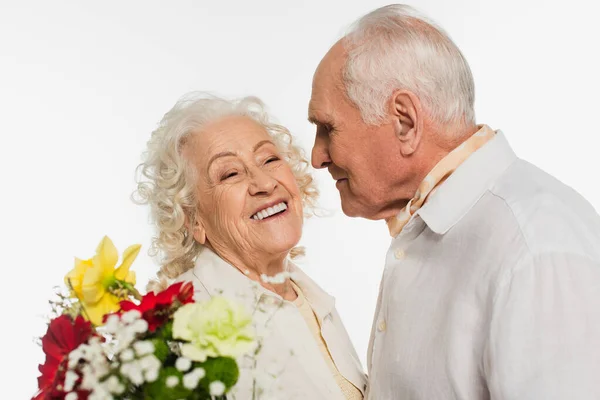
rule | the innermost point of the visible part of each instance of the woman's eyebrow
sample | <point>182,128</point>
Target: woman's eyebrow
<point>262,143</point>
<point>219,155</point>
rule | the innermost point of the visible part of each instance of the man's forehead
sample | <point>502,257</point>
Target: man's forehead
<point>326,84</point>
<point>319,109</point>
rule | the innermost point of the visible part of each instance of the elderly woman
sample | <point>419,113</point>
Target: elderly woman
<point>228,191</point>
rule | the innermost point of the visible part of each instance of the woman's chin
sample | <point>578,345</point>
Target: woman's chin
<point>278,245</point>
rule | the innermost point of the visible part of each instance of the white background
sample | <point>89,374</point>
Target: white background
<point>82,85</point>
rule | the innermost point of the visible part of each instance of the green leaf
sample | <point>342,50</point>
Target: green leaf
<point>159,390</point>
<point>166,332</point>
<point>222,369</point>
<point>161,349</point>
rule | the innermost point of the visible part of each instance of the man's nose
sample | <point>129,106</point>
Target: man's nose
<point>320,153</point>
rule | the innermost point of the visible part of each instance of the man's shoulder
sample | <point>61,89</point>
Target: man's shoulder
<point>549,213</point>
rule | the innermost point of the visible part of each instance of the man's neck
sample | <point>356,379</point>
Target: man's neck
<point>434,148</point>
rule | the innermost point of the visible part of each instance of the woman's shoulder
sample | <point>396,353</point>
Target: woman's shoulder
<point>200,291</point>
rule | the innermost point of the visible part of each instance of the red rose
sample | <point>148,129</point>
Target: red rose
<point>157,308</point>
<point>63,336</point>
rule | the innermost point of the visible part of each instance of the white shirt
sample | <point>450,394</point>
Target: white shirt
<point>289,350</point>
<point>492,290</point>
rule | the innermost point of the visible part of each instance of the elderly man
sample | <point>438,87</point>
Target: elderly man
<point>491,288</point>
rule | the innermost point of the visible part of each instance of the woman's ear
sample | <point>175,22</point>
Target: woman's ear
<point>196,228</point>
<point>406,111</point>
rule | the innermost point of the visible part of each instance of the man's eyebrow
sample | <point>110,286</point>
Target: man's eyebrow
<point>318,121</point>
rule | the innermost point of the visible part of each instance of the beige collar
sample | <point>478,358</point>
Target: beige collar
<point>440,173</point>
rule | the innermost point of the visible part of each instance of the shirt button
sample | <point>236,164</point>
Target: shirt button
<point>399,254</point>
<point>381,326</point>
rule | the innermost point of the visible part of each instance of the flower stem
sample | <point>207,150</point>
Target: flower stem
<point>131,289</point>
<point>83,311</point>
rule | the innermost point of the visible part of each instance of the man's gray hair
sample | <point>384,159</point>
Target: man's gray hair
<point>395,47</point>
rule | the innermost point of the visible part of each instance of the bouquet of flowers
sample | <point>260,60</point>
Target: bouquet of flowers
<point>107,341</point>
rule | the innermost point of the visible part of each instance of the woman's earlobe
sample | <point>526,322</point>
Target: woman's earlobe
<point>200,234</point>
<point>197,230</point>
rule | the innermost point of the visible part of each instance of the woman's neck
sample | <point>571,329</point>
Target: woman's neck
<point>257,267</point>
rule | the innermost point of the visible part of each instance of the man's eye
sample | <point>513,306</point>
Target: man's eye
<point>326,129</point>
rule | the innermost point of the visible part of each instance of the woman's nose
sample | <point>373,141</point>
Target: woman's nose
<point>262,183</point>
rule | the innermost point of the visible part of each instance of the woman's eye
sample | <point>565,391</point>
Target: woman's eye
<point>229,175</point>
<point>271,159</point>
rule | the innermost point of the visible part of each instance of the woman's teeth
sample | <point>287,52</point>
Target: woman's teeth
<point>267,212</point>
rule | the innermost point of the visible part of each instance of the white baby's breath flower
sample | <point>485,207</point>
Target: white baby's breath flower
<point>183,364</point>
<point>127,355</point>
<point>133,371</point>
<point>150,362</point>
<point>172,381</point>
<point>71,396</point>
<point>200,372</point>
<point>89,380</point>
<point>113,385</point>
<point>143,347</point>
<point>70,380</point>
<point>100,393</point>
<point>130,316</point>
<point>216,388</point>
<point>74,358</point>
<point>139,326</point>
<point>151,375</point>
<point>123,339</point>
<point>113,323</point>
<point>191,379</point>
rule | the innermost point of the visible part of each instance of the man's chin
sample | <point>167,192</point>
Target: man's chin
<point>354,209</point>
<point>350,208</point>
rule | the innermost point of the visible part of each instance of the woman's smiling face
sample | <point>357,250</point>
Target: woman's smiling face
<point>248,198</point>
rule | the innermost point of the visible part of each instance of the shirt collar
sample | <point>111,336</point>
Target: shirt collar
<point>218,277</point>
<point>459,193</point>
<point>321,302</point>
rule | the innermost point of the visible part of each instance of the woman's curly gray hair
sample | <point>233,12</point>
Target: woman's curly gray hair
<point>165,179</point>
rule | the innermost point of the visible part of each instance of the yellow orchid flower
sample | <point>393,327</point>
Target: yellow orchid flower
<point>94,281</point>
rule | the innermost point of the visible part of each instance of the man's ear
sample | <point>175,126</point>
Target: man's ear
<point>407,113</point>
<point>196,228</point>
